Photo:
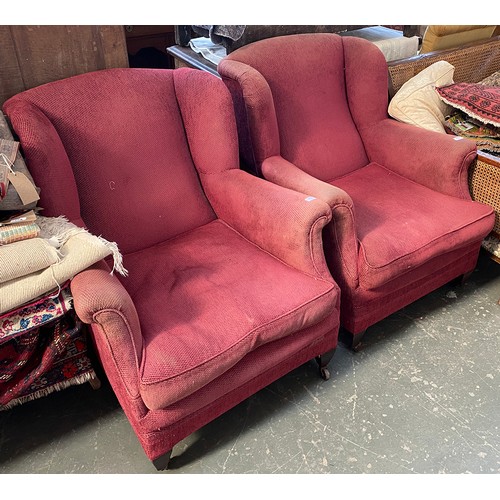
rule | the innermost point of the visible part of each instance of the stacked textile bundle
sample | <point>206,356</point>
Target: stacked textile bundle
<point>42,349</point>
<point>43,345</point>
<point>433,101</point>
<point>475,111</point>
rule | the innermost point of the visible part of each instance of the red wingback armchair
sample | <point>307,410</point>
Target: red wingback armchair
<point>228,288</point>
<point>312,116</point>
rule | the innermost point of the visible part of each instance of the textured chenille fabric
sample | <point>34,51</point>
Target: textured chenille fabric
<point>211,280</point>
<point>305,85</point>
<point>402,224</point>
<point>312,116</point>
<point>228,288</point>
<point>129,180</point>
<point>362,308</point>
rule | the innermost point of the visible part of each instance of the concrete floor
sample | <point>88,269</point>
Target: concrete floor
<point>422,397</point>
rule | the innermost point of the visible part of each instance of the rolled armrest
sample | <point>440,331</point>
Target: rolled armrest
<point>341,245</point>
<point>437,161</point>
<point>280,171</point>
<point>283,222</point>
<point>101,300</point>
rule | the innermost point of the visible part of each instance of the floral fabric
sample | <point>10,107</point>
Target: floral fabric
<point>34,315</point>
<point>43,347</point>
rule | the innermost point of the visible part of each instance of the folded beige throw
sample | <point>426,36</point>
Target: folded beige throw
<point>25,257</point>
<point>76,248</point>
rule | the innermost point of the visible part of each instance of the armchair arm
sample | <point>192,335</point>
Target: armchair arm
<point>284,223</point>
<point>437,161</point>
<point>341,245</point>
<point>258,134</point>
<point>280,171</point>
<point>101,300</point>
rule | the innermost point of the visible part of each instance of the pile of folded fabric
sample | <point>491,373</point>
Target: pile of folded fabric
<point>487,137</point>
<point>43,345</point>
<point>475,111</point>
<point>475,114</point>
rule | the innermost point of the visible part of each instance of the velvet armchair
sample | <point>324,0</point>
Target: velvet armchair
<point>312,116</point>
<point>227,287</point>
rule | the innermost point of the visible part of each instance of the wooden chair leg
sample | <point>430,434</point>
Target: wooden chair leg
<point>351,340</point>
<point>356,343</point>
<point>462,279</point>
<point>161,463</point>
<point>465,277</point>
<point>323,360</point>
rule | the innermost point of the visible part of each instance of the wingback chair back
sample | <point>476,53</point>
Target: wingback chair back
<point>120,155</point>
<point>314,97</point>
<point>227,287</point>
<point>312,116</point>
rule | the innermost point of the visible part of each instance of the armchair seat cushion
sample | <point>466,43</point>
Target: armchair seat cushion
<point>402,225</point>
<point>206,299</point>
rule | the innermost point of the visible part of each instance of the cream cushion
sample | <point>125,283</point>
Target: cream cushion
<point>417,101</point>
<point>391,42</point>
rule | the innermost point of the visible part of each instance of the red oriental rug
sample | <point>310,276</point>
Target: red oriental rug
<point>43,348</point>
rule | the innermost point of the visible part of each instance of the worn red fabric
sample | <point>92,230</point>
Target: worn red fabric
<point>105,120</point>
<point>361,308</point>
<point>308,91</point>
<point>159,430</point>
<point>244,201</point>
<point>113,308</point>
<point>437,161</point>
<point>403,222</point>
<point>340,240</point>
<point>228,288</point>
<point>36,128</point>
<point>210,279</point>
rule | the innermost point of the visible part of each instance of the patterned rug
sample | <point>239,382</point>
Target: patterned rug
<point>43,348</point>
<point>474,99</point>
<point>34,315</point>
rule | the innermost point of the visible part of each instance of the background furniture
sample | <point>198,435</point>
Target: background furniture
<point>147,45</point>
<point>441,37</point>
<point>186,57</point>
<point>394,41</point>
<point>393,44</point>
<point>484,185</point>
<point>472,62</point>
<point>228,288</point>
<point>33,55</point>
<point>403,220</point>
<point>233,37</point>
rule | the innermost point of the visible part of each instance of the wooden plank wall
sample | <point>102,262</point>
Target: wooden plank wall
<point>34,55</point>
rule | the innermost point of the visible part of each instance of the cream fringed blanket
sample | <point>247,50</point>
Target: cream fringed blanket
<point>72,249</point>
<point>26,257</point>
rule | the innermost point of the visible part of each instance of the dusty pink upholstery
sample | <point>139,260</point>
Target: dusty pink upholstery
<point>312,116</point>
<point>228,287</point>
